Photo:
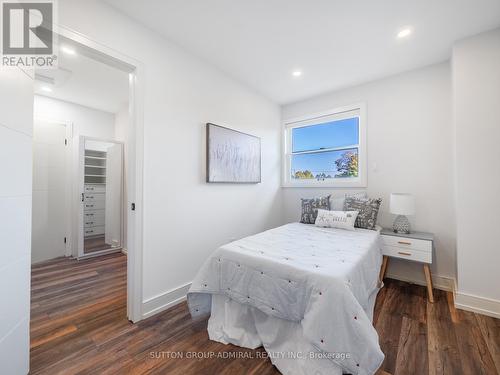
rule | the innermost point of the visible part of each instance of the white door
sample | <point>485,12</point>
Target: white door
<point>50,209</point>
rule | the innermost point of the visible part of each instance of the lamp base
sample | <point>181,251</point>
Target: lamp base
<point>401,225</point>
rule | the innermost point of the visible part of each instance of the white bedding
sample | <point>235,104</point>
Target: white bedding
<point>296,288</point>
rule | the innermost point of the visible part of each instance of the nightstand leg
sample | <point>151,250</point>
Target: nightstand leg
<point>428,279</point>
<point>381,277</point>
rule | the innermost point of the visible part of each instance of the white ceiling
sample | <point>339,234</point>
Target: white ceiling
<point>83,80</point>
<point>336,43</point>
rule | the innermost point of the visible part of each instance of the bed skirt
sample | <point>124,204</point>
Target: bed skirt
<point>243,325</point>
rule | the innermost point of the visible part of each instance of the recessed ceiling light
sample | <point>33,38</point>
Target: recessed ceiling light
<point>296,73</point>
<point>46,89</point>
<point>404,33</point>
<point>68,50</point>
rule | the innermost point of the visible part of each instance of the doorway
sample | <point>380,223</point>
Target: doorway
<point>126,235</point>
<point>101,214</point>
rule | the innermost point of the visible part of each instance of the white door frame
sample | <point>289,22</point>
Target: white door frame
<point>135,162</point>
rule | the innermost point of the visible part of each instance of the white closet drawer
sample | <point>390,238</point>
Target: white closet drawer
<point>94,231</point>
<point>97,188</point>
<point>97,215</point>
<point>93,219</point>
<point>407,253</point>
<point>94,197</point>
<point>97,205</point>
<point>407,243</point>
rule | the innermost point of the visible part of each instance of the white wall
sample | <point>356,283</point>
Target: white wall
<point>409,135</point>
<point>114,197</point>
<point>85,122</point>
<point>16,132</point>
<point>184,218</point>
<point>476,79</point>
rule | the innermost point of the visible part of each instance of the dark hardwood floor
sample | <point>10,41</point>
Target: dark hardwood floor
<point>93,244</point>
<point>79,326</point>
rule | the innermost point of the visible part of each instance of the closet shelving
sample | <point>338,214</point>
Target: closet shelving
<point>95,167</point>
<point>95,192</point>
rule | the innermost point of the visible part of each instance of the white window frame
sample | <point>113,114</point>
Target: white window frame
<point>316,119</point>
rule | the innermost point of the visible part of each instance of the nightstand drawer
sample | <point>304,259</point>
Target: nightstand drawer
<point>407,253</point>
<point>407,243</point>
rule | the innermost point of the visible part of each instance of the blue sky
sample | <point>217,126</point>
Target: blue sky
<point>328,135</point>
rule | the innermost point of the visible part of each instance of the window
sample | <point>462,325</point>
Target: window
<point>326,149</point>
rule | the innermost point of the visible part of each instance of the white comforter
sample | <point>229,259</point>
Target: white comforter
<point>320,278</point>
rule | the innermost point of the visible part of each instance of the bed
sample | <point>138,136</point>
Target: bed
<point>304,293</point>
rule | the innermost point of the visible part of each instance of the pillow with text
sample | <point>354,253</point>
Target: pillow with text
<point>336,219</point>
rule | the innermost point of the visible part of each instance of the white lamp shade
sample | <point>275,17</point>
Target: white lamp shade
<point>402,204</point>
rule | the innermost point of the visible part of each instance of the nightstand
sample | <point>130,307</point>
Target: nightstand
<point>415,247</point>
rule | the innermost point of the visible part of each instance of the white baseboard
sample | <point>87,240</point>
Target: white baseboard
<point>463,301</point>
<point>477,304</point>
<point>165,300</point>
<point>439,282</point>
<point>172,297</point>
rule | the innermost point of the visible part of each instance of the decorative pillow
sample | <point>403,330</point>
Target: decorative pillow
<point>337,202</point>
<point>310,208</point>
<point>336,219</point>
<point>367,208</point>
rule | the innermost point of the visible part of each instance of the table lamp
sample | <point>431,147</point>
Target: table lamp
<point>402,204</point>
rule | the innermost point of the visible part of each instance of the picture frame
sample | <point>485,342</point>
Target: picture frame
<point>232,156</point>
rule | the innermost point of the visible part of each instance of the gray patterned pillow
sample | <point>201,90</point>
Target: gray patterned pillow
<point>337,201</point>
<point>310,208</point>
<point>367,208</point>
